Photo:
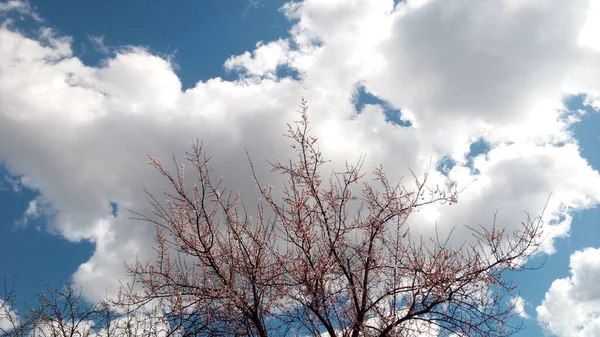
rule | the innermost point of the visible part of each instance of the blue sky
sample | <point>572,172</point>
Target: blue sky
<point>194,32</point>
<point>509,114</point>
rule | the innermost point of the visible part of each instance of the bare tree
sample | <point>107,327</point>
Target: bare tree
<point>311,263</point>
<point>135,318</point>
<point>65,313</point>
<point>10,322</point>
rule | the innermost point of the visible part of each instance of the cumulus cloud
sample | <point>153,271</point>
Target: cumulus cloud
<point>263,61</point>
<point>571,306</point>
<point>461,71</point>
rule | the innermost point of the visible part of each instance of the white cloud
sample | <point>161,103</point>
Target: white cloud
<point>8,317</point>
<point>32,212</point>
<point>571,306</point>
<point>38,208</point>
<point>519,306</point>
<point>589,36</point>
<point>263,61</point>
<point>492,69</point>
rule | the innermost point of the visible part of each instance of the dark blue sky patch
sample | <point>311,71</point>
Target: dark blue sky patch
<point>577,102</point>
<point>445,165</point>
<point>200,35</point>
<point>26,25</point>
<point>586,131</point>
<point>479,147</point>
<point>14,199</point>
<point>392,115</point>
<point>114,208</point>
<point>286,71</point>
<point>35,256</point>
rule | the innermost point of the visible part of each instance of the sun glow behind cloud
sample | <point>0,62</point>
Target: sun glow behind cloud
<point>589,34</point>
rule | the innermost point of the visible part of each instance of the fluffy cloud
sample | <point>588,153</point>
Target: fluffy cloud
<point>264,60</point>
<point>519,306</point>
<point>571,305</point>
<point>8,317</point>
<point>460,71</point>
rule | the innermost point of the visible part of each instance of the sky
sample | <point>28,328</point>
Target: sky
<point>500,97</point>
